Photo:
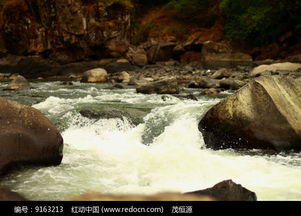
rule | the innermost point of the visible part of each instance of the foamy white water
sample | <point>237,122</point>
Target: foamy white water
<point>165,153</point>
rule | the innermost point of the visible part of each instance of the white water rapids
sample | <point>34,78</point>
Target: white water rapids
<point>110,155</point>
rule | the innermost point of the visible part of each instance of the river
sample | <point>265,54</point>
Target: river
<point>155,147</point>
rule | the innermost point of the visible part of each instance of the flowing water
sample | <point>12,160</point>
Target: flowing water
<point>153,146</point>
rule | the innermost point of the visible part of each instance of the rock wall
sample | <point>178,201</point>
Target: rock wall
<point>64,30</point>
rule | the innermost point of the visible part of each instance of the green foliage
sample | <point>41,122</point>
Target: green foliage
<point>200,12</point>
<point>260,21</point>
<point>2,2</point>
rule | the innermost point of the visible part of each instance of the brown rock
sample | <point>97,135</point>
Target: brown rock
<point>18,83</point>
<point>282,68</point>
<point>204,83</point>
<point>27,137</point>
<point>231,84</point>
<point>97,75</point>
<point>68,30</point>
<point>123,77</point>
<point>168,86</point>
<point>137,56</point>
<point>264,114</point>
<point>222,54</point>
<point>221,73</point>
<point>227,191</point>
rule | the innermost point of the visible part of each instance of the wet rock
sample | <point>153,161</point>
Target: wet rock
<point>264,114</point>
<point>134,116</point>
<point>8,195</point>
<point>231,84</point>
<point>204,83</point>
<point>221,73</point>
<point>222,54</point>
<point>227,191</point>
<point>123,77</point>
<point>189,97</point>
<point>137,197</point>
<point>18,83</point>
<point>277,68</point>
<point>103,114</point>
<point>27,137</point>
<point>168,86</point>
<point>97,75</point>
<point>211,91</point>
<point>69,83</point>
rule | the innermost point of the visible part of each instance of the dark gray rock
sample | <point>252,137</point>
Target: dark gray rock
<point>228,191</point>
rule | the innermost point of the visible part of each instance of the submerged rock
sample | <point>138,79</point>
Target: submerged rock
<point>18,83</point>
<point>8,195</point>
<point>168,86</point>
<point>134,116</point>
<point>27,137</point>
<point>97,75</point>
<point>227,191</point>
<point>264,114</point>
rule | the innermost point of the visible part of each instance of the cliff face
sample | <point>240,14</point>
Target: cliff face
<point>65,30</point>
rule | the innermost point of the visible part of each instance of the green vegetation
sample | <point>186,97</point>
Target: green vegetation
<point>201,12</point>
<point>255,21</point>
<point>260,21</point>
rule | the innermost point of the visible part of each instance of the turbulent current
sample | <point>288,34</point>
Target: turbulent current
<point>118,141</point>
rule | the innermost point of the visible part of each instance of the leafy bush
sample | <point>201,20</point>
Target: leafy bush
<point>260,21</point>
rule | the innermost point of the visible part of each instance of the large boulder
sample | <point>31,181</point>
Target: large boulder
<point>264,114</point>
<point>168,86</point>
<point>8,195</point>
<point>97,75</point>
<point>27,137</point>
<point>280,68</point>
<point>222,54</point>
<point>227,191</point>
<point>18,83</point>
